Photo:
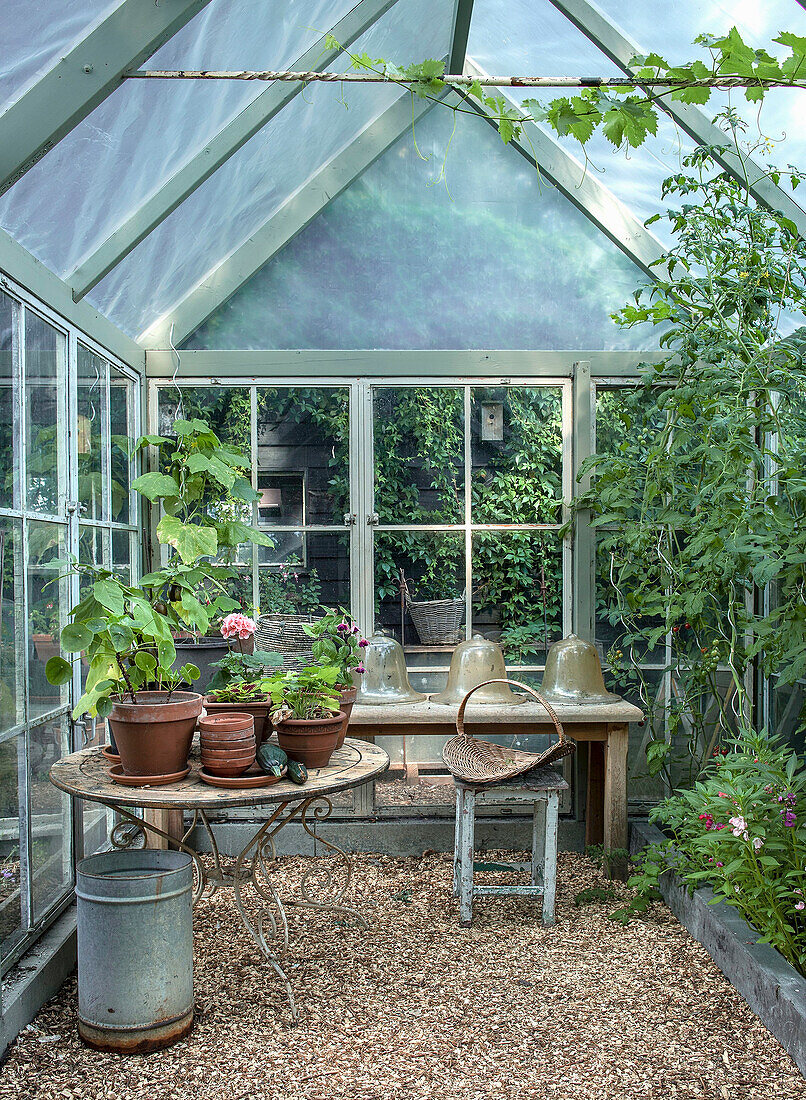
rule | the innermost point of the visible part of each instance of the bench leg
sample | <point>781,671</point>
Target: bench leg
<point>550,857</point>
<point>457,833</point>
<point>538,867</point>
<point>463,853</point>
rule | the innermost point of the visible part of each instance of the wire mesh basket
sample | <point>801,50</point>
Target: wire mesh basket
<point>480,762</point>
<point>437,622</point>
<point>284,634</point>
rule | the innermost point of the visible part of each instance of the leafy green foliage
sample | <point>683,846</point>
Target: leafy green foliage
<point>337,641</point>
<point>308,693</point>
<point>241,669</point>
<point>741,830</point>
<point>699,498</point>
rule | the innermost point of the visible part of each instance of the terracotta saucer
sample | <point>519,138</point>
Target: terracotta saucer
<point>112,757</point>
<point>117,773</point>
<point>253,778</point>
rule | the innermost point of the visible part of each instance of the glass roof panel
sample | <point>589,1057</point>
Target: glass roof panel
<point>229,207</point>
<point>536,38</point>
<point>34,36</point>
<point>133,141</point>
<point>489,256</point>
<point>650,25</point>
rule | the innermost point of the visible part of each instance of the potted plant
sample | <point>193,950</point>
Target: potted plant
<point>236,686</point>
<point>127,631</point>
<point>306,713</point>
<point>338,641</point>
<point>206,500</point>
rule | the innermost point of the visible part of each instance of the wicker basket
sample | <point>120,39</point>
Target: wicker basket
<point>284,634</point>
<point>437,622</point>
<point>480,762</point>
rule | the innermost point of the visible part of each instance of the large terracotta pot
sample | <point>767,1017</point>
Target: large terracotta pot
<point>153,736</point>
<point>346,703</point>
<point>311,741</point>
<point>259,711</point>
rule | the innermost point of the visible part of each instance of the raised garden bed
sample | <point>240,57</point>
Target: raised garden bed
<point>775,991</point>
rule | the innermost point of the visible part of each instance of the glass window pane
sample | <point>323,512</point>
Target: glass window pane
<point>48,605</point>
<point>46,437</point>
<point>419,454</point>
<point>518,591</point>
<point>12,877</point>
<point>433,563</point>
<point>91,434</point>
<point>314,573</point>
<point>225,408</point>
<point>11,599</point>
<point>122,554</point>
<point>51,816</point>
<point>8,465</point>
<point>517,440</point>
<point>121,401</point>
<point>303,453</point>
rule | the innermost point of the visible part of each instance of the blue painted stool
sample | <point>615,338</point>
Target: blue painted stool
<point>539,787</point>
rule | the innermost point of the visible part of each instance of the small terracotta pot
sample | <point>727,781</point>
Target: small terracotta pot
<point>310,741</point>
<point>153,736</point>
<point>226,727</point>
<point>259,711</point>
<point>228,753</point>
<point>346,703</point>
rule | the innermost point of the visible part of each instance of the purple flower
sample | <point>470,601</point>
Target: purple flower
<point>789,818</point>
<point>363,643</point>
<point>341,628</point>
<point>355,630</point>
<point>359,668</point>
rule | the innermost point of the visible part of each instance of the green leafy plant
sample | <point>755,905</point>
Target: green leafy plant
<point>308,693</point>
<point>741,829</point>
<point>239,691</point>
<point>45,617</point>
<point>701,503</point>
<point>338,641</point>
<point>127,631</point>
<point>241,668</point>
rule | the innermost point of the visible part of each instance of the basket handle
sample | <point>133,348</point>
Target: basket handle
<point>460,717</point>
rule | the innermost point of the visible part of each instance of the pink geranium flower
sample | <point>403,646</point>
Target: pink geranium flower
<point>237,625</point>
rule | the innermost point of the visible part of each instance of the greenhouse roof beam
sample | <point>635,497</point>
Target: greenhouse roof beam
<point>229,139</point>
<point>81,79</point>
<point>291,218</point>
<point>584,190</point>
<point>621,49</point>
<point>461,29</point>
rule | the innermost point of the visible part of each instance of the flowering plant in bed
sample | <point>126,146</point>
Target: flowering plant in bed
<point>742,831</point>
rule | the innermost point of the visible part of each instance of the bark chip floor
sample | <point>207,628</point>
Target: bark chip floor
<point>417,1007</point>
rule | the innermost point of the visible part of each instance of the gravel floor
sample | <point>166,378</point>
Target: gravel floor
<point>417,1007</point>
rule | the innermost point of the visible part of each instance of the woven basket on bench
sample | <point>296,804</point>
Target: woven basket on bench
<point>437,622</point>
<point>480,762</point>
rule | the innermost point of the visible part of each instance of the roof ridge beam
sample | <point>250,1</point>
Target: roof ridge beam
<point>84,77</point>
<point>596,201</point>
<point>462,14</point>
<point>217,151</point>
<point>620,48</point>
<point>295,213</point>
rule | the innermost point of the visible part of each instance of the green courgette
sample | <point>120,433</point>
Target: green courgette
<point>271,759</point>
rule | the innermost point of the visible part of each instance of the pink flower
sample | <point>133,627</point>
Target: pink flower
<point>237,625</point>
<point>801,905</point>
<point>757,842</point>
<point>363,643</point>
<point>739,826</point>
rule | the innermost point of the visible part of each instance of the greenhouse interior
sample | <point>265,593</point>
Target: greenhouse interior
<point>410,432</point>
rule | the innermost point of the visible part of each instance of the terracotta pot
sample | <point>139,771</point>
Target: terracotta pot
<point>221,756</point>
<point>259,711</point>
<point>153,736</point>
<point>227,727</point>
<point>46,646</point>
<point>311,741</point>
<point>242,645</point>
<point>346,702</point>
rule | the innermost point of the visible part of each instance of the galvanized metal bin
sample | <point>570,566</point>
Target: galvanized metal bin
<point>135,949</point>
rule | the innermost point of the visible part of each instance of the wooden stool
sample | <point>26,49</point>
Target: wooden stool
<point>542,786</point>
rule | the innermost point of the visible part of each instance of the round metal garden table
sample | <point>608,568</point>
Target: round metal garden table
<point>85,774</point>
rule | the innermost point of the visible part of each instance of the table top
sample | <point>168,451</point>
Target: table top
<point>527,713</point>
<point>86,775</point>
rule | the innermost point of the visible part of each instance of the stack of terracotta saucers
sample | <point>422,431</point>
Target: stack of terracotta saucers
<point>227,743</point>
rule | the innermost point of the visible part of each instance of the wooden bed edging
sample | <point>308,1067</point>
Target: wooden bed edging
<point>775,991</point>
